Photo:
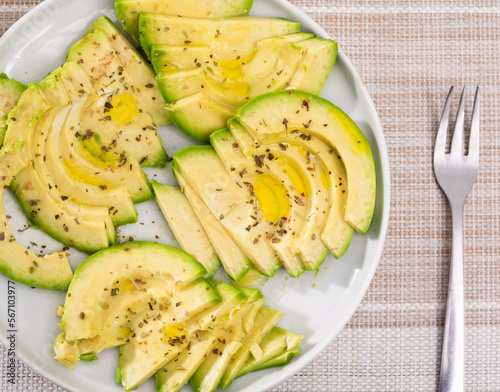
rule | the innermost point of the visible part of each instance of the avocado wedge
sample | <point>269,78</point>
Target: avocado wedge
<point>232,205</point>
<point>277,114</point>
<point>52,271</point>
<point>10,92</point>
<point>135,64</point>
<point>128,11</point>
<point>186,227</point>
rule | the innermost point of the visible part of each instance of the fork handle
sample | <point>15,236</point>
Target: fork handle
<point>452,360</point>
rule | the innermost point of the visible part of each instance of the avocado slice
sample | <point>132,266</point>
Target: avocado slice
<point>229,337</point>
<point>52,271</point>
<point>265,320</point>
<point>121,114</point>
<point>10,92</point>
<point>122,267</point>
<point>235,262</point>
<point>70,179</point>
<point>166,344</point>
<point>286,225</point>
<point>164,332</point>
<point>234,36</point>
<point>124,173</point>
<point>136,65</point>
<point>172,58</point>
<point>232,205</point>
<point>276,343</point>
<point>279,113</point>
<point>337,233</point>
<point>178,371</point>
<point>186,227</point>
<point>55,213</point>
<point>31,106</point>
<point>128,10</point>
<point>276,64</point>
<point>307,190</point>
<point>199,115</point>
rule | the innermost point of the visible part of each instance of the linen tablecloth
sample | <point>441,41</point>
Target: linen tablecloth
<point>408,54</point>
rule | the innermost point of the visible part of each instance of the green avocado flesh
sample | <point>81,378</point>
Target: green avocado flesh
<point>232,205</point>
<point>290,179</point>
<point>208,68</point>
<point>137,66</point>
<point>140,294</point>
<point>122,108</point>
<point>87,128</point>
<point>52,271</point>
<point>10,92</point>
<point>128,11</point>
<point>235,262</point>
<point>276,115</point>
<point>186,226</point>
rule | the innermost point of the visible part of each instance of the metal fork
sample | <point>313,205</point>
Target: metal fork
<point>456,173</point>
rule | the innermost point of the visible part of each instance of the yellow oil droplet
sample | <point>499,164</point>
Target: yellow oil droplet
<point>295,177</point>
<point>125,109</point>
<point>325,180</point>
<point>126,332</point>
<point>233,68</point>
<point>76,173</point>
<point>272,197</point>
<point>128,285</point>
<point>171,332</point>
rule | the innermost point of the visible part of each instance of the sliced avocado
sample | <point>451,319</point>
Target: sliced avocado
<point>69,180</point>
<point>128,10</point>
<point>232,205</point>
<point>265,320</point>
<point>274,344</point>
<point>199,115</point>
<point>10,92</point>
<point>124,173</point>
<point>177,372</point>
<point>278,199</point>
<point>144,264</point>
<point>230,37</point>
<point>53,212</point>
<point>305,188</point>
<point>22,118</point>
<point>135,65</point>
<point>275,65</point>
<point>276,114</point>
<point>230,337</point>
<point>164,333</point>
<point>186,227</point>
<point>171,58</point>
<point>52,271</point>
<point>209,374</point>
<point>167,344</point>
<point>337,233</point>
<point>280,360</point>
<point>121,115</point>
<point>235,262</point>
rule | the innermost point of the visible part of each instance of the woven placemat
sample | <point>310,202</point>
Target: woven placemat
<point>408,56</point>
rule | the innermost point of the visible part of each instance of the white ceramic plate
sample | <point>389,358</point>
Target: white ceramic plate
<point>315,305</point>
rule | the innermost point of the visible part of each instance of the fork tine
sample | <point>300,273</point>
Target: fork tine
<point>474,129</point>
<point>457,143</point>
<point>443,127</point>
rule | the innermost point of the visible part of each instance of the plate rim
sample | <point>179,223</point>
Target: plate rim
<point>305,359</point>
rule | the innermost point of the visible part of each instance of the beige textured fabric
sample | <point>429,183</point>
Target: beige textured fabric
<point>408,54</point>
